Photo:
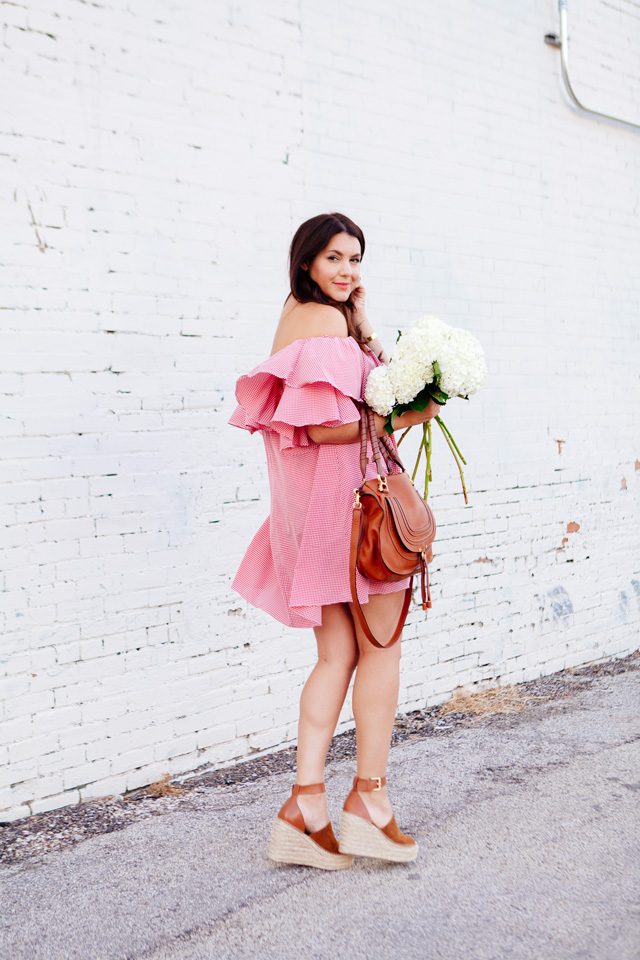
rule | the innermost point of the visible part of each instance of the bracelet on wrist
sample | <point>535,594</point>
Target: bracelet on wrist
<point>371,337</point>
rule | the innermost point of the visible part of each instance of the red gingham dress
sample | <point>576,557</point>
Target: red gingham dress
<point>298,560</point>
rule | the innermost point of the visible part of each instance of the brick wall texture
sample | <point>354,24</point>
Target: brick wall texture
<point>155,159</point>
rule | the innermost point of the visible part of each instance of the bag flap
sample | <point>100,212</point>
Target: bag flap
<point>413,518</point>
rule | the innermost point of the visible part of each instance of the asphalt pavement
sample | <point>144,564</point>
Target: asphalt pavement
<point>529,832</point>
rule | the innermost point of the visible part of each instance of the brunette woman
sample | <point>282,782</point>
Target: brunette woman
<point>304,401</point>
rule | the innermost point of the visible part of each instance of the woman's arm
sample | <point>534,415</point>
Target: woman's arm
<point>350,432</point>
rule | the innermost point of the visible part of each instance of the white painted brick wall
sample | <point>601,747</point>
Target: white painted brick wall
<point>155,161</point>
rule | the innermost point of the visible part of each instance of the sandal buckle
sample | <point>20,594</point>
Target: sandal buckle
<point>379,783</point>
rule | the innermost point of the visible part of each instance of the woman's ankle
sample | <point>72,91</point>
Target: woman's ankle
<point>378,805</point>
<point>313,808</point>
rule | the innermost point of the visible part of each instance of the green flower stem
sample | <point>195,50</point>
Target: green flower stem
<point>420,448</point>
<point>452,445</point>
<point>402,436</point>
<point>426,445</point>
<point>426,439</point>
<point>449,434</point>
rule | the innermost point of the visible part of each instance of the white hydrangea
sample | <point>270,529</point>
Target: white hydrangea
<point>458,353</point>
<point>462,365</point>
<point>379,393</point>
<point>433,326</point>
<point>421,342</point>
<point>407,377</point>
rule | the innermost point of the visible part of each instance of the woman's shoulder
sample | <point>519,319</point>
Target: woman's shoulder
<point>303,321</point>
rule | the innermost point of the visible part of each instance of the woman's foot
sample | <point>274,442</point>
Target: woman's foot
<point>294,839</point>
<point>368,830</point>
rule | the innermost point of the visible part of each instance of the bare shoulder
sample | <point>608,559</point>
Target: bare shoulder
<point>318,320</point>
<point>304,320</point>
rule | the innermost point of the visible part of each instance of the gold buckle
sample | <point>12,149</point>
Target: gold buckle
<point>382,488</point>
<point>357,493</point>
<point>379,787</point>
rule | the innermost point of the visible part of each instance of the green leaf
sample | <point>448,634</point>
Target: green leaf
<point>421,401</point>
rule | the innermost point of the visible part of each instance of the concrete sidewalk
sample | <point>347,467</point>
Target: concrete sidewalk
<point>529,829</point>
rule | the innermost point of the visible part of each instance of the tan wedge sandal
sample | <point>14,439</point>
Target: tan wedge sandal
<point>360,836</point>
<point>292,843</point>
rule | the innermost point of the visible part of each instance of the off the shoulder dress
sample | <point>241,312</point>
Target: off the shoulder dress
<point>298,560</point>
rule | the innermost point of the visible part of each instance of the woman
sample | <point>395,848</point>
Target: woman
<point>304,400</point>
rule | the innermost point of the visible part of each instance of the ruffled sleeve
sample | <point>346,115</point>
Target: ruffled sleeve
<point>312,381</point>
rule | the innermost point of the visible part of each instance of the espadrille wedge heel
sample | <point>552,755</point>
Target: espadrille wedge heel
<point>292,843</point>
<point>359,835</point>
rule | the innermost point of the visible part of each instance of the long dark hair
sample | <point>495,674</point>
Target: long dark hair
<point>310,238</point>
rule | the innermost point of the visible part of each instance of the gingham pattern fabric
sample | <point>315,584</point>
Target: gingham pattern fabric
<point>298,560</point>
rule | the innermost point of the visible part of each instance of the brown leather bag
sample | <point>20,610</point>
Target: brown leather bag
<point>392,529</point>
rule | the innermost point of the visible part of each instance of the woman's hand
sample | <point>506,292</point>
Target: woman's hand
<point>364,325</point>
<point>413,417</point>
<point>410,419</point>
<point>362,322</point>
<point>358,296</point>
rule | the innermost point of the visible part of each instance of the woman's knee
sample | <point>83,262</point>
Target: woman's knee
<point>389,655</point>
<point>342,661</point>
<point>336,639</point>
<point>382,613</point>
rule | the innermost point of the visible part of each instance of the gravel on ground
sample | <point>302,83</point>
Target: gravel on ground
<point>34,836</point>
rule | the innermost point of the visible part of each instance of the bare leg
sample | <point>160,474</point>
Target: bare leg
<point>320,705</point>
<point>375,697</point>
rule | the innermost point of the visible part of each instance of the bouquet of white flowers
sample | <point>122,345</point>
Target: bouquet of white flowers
<point>430,360</point>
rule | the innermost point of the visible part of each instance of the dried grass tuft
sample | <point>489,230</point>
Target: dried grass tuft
<point>163,788</point>
<point>505,699</point>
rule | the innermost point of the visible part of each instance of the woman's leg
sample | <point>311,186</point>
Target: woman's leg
<point>320,705</point>
<point>375,697</point>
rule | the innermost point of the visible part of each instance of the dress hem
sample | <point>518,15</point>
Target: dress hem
<point>309,624</point>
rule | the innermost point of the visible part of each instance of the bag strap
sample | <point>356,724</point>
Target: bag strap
<point>355,539</point>
<point>383,449</point>
<point>363,443</point>
<point>385,440</point>
<point>373,436</point>
<point>368,433</point>
<point>386,454</point>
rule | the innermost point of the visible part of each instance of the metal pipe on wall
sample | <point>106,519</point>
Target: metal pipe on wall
<point>561,42</point>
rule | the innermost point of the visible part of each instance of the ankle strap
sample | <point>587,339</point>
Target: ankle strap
<point>304,788</point>
<point>373,783</point>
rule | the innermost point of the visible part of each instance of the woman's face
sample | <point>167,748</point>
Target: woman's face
<point>336,269</point>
